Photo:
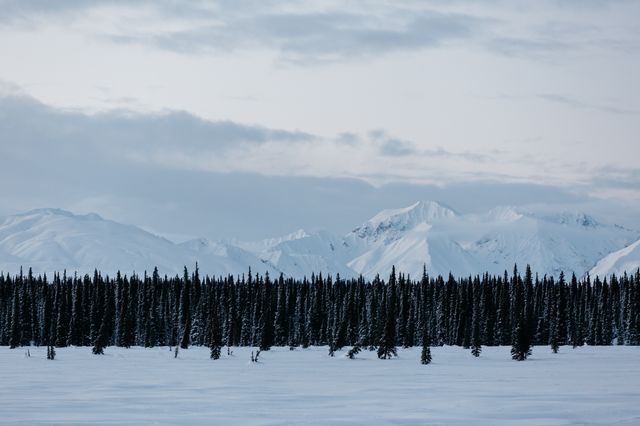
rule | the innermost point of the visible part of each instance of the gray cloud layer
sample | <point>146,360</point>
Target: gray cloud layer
<point>226,26</point>
<point>27,126</point>
<point>311,34</point>
<point>323,35</point>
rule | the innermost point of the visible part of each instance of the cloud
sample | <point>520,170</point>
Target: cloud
<point>79,148</point>
<point>565,100</point>
<point>36,133</point>
<point>396,147</point>
<point>617,177</point>
<point>389,146</point>
<point>299,31</point>
<point>576,103</point>
<point>317,36</point>
<point>529,47</point>
<point>348,138</point>
<point>308,32</point>
<point>29,126</point>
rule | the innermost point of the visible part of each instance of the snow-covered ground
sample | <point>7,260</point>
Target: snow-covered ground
<point>141,386</point>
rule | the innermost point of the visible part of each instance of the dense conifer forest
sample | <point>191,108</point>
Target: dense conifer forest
<point>515,309</point>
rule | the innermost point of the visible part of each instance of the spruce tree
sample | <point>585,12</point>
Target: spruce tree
<point>151,328</point>
<point>104,332</point>
<point>97,304</point>
<point>266,321</point>
<point>75,337</point>
<point>340,338</point>
<point>15,336</point>
<point>387,344</point>
<point>280,322</point>
<point>264,341</point>
<point>185,311</point>
<point>355,350</point>
<point>332,347</point>
<point>554,329</point>
<point>62,322</point>
<point>215,341</point>
<point>425,356</point>
<point>573,312</point>
<point>521,346</point>
<point>476,343</point>
<point>553,343</point>
<point>45,337</point>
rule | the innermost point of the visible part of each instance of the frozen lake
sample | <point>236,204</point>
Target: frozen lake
<point>589,385</point>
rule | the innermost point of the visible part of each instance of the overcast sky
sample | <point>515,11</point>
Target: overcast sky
<point>255,118</point>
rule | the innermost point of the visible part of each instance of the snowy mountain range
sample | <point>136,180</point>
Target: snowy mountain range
<point>425,233</point>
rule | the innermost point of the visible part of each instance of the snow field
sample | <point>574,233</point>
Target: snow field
<point>589,385</point>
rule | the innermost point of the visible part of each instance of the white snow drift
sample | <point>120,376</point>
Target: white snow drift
<point>139,386</point>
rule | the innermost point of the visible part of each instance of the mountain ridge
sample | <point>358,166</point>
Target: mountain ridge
<point>425,233</point>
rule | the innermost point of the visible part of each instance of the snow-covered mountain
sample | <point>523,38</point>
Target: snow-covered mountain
<point>319,252</point>
<point>430,234</point>
<point>624,260</point>
<point>570,242</point>
<point>409,238</point>
<point>423,234</point>
<point>53,240</point>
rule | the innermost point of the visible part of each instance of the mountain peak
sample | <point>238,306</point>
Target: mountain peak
<point>504,213</point>
<point>52,211</point>
<point>296,235</point>
<point>398,220</point>
<point>46,211</point>
<point>421,211</point>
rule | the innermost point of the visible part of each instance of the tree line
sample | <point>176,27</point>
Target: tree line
<point>514,309</point>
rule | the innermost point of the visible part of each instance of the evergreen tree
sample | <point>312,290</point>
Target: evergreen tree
<point>355,350</point>
<point>554,329</point>
<point>503,314</point>
<point>75,337</point>
<point>266,322</point>
<point>215,342</point>
<point>340,337</point>
<point>476,343</point>
<point>97,303</point>
<point>264,345</point>
<point>185,311</point>
<point>16,330</point>
<point>425,356</point>
<point>151,328</point>
<point>521,346</point>
<point>387,344</point>
<point>280,323</point>
<point>104,332</point>
<point>573,312</point>
<point>554,342</point>
<point>62,321</point>
<point>45,337</point>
